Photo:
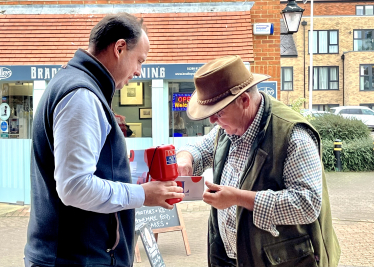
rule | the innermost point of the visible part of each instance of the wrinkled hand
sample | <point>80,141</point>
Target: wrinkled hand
<point>184,160</point>
<point>220,196</point>
<point>157,192</point>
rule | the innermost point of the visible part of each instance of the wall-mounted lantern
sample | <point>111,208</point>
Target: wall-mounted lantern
<point>292,15</point>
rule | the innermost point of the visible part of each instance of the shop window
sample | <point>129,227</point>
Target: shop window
<point>363,40</point>
<point>366,77</point>
<point>324,42</point>
<point>179,123</point>
<point>132,106</point>
<point>16,110</point>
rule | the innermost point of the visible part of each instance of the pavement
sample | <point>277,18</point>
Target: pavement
<point>352,205</point>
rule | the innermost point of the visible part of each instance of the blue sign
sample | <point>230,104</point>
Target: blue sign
<point>28,73</point>
<point>171,159</point>
<point>148,72</point>
<point>268,87</point>
<point>4,126</point>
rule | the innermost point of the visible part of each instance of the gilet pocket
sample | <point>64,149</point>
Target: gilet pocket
<point>296,252</point>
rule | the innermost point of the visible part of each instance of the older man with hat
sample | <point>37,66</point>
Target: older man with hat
<point>270,205</point>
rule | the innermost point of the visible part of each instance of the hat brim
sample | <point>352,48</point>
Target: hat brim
<point>196,111</point>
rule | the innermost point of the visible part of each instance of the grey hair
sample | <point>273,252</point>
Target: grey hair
<point>251,89</point>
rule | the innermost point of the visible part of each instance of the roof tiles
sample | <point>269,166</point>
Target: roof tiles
<point>175,38</point>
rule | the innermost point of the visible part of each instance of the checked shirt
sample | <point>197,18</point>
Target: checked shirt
<point>299,203</point>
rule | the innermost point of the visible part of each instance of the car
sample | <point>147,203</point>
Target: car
<point>365,114</point>
<point>314,113</point>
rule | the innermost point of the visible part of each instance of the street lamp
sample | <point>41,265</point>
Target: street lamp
<point>292,15</point>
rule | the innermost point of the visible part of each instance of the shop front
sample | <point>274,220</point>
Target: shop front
<point>152,107</point>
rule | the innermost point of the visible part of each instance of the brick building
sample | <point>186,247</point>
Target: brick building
<point>37,37</point>
<point>343,56</point>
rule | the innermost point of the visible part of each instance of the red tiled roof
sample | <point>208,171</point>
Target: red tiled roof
<point>175,38</point>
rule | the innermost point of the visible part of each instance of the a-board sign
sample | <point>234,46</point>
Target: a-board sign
<point>161,221</point>
<point>157,217</point>
<point>150,245</point>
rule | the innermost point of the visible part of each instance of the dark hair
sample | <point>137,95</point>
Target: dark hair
<point>114,27</point>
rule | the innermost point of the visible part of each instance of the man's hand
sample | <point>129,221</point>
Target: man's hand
<point>184,160</point>
<point>222,197</point>
<point>157,192</point>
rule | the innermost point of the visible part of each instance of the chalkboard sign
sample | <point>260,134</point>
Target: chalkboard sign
<point>150,244</point>
<point>157,217</point>
<point>161,220</point>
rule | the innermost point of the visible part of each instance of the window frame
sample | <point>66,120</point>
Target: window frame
<point>371,78</point>
<point>283,81</point>
<point>362,30</point>
<point>329,80</point>
<point>364,10</point>
<point>324,107</point>
<point>328,42</point>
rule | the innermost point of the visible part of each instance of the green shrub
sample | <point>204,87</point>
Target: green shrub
<point>356,155</point>
<point>331,127</point>
<point>328,157</point>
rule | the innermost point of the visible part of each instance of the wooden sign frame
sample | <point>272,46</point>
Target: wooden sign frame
<point>181,227</point>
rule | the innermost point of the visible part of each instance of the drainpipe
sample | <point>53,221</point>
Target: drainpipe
<point>304,23</point>
<point>343,57</point>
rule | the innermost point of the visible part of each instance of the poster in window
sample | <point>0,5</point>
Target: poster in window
<point>132,94</point>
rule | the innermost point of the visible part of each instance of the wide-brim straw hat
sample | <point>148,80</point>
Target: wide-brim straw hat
<point>218,83</point>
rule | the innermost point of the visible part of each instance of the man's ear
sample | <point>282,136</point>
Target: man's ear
<point>245,99</point>
<point>120,47</point>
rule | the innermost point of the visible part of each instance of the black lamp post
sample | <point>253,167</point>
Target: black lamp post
<point>292,15</point>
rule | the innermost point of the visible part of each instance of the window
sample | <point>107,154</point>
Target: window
<point>364,10</point>
<point>132,106</point>
<point>16,109</point>
<point>325,107</point>
<point>326,78</point>
<point>369,105</point>
<point>287,79</point>
<point>350,111</point>
<point>179,123</point>
<point>366,77</point>
<point>324,42</point>
<point>363,40</point>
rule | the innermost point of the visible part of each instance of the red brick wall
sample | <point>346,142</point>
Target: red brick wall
<point>266,48</point>
<point>336,9</point>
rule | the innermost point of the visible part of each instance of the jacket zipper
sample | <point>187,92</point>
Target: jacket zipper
<point>111,250</point>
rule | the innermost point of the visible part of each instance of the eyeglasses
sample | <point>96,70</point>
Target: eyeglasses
<point>218,114</point>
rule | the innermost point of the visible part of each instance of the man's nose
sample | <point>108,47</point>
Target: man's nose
<point>213,118</point>
<point>137,73</point>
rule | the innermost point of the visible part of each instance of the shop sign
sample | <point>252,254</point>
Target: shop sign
<point>268,87</point>
<point>4,111</point>
<point>168,71</point>
<point>4,135</point>
<point>4,126</point>
<point>180,101</point>
<point>5,73</point>
<point>27,73</point>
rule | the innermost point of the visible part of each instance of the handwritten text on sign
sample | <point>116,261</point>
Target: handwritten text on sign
<point>157,217</point>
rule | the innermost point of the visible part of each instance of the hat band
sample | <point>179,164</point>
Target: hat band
<point>235,90</point>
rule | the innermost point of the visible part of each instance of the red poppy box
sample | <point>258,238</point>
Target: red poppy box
<point>193,186</point>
